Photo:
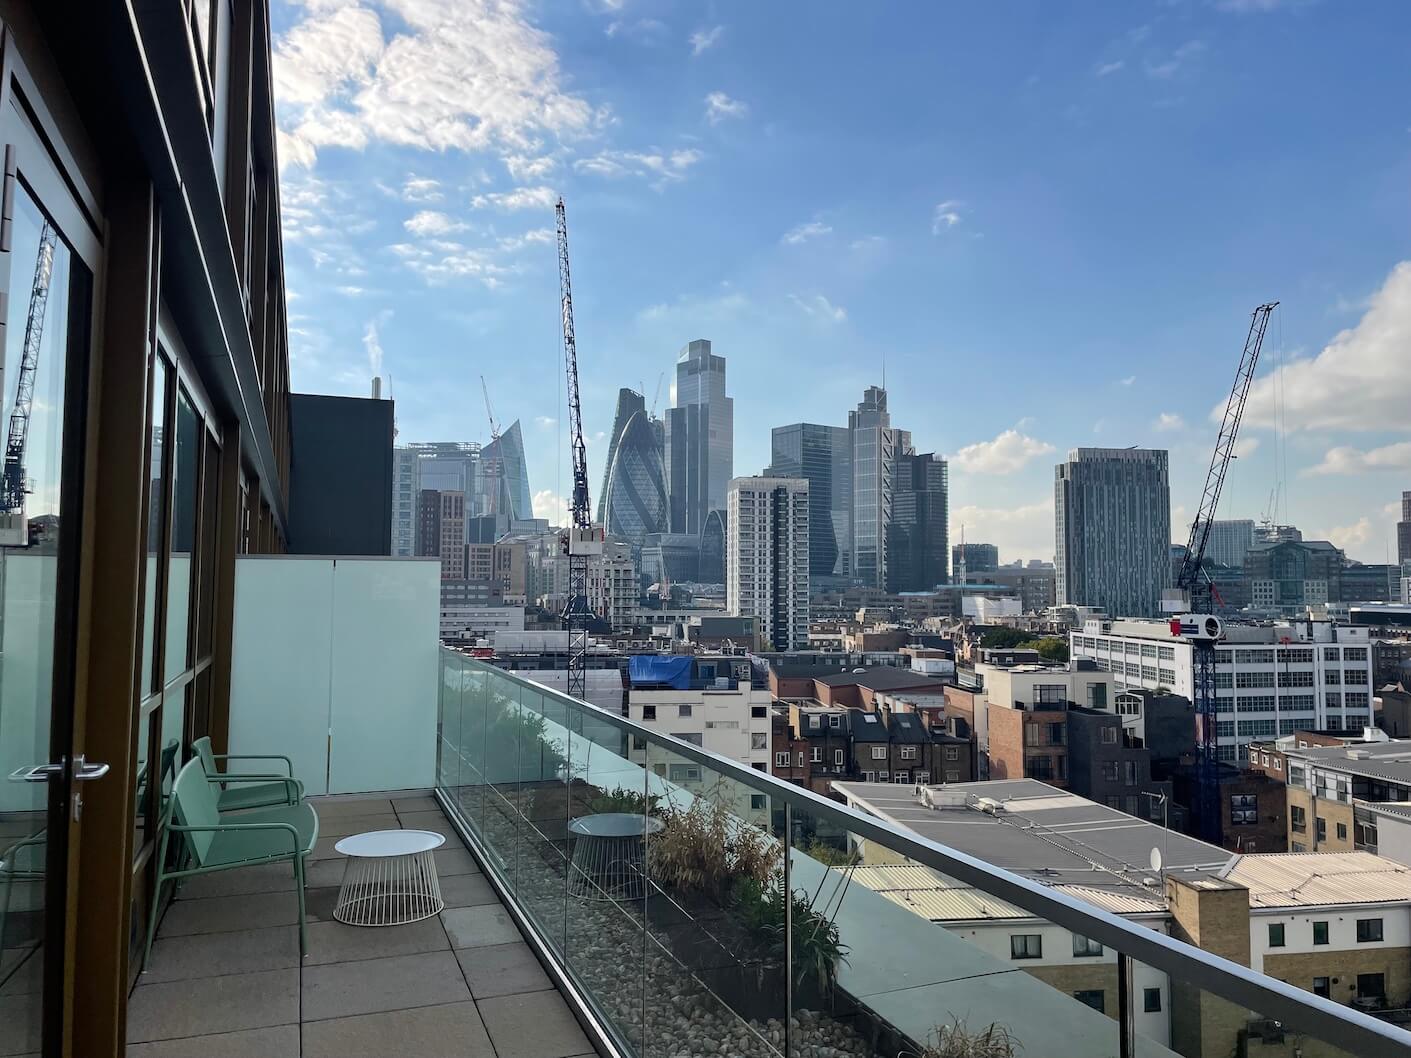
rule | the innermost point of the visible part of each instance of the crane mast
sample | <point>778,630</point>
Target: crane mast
<point>12,479</point>
<point>494,439</point>
<point>581,540</point>
<point>1194,587</point>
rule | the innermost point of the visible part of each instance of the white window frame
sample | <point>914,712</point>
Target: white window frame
<point>879,752</point>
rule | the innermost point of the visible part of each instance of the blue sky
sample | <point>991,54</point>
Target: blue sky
<point>1050,221</point>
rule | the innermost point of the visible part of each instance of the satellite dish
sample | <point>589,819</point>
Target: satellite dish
<point>1155,860</point>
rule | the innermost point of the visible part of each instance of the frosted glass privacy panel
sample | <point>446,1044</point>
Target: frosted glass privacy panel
<point>385,671</point>
<point>279,683</point>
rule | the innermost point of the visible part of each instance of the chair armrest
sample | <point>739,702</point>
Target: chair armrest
<point>292,830</point>
<point>256,756</point>
<point>294,788</point>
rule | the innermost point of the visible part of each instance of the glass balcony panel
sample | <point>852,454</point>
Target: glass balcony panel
<point>542,872</point>
<point>448,722</point>
<point>500,817</point>
<point>604,937</point>
<point>716,959</point>
<point>472,789</point>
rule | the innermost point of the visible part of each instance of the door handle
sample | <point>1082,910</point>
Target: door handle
<point>82,771</point>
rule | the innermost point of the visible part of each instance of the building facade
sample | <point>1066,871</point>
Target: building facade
<point>1230,539</point>
<point>970,559</point>
<point>918,535</point>
<point>1290,576</point>
<point>634,501</point>
<point>1403,532</point>
<point>1112,528</point>
<point>876,451</point>
<point>506,474</point>
<point>822,455</point>
<point>699,438</point>
<point>767,557</point>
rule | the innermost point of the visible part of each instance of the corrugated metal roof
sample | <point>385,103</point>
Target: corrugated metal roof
<point>1303,879</point>
<point>941,899</point>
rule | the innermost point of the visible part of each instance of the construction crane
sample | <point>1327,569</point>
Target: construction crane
<point>581,540</point>
<point>656,396</point>
<point>1194,589</point>
<point>13,530</point>
<point>494,439</point>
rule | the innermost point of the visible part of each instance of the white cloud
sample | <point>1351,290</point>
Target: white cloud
<point>549,504</point>
<point>1103,69</point>
<point>1360,379</point>
<point>1176,61</point>
<point>440,261</point>
<point>946,215</point>
<point>643,30</point>
<point>1350,537</point>
<point>534,237</point>
<point>421,189</point>
<point>473,75</point>
<point>524,167</point>
<point>545,422</point>
<point>820,308</point>
<point>1019,532</point>
<point>1347,460</point>
<point>688,311</point>
<point>1168,421</point>
<point>520,198</point>
<point>430,222</point>
<point>666,166</point>
<point>1127,381</point>
<point>720,107</point>
<point>1254,7</point>
<point>1008,453</point>
<point>803,232</point>
<point>1246,446</point>
<point>703,40</point>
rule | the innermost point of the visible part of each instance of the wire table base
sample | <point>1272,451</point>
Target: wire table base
<point>390,878</point>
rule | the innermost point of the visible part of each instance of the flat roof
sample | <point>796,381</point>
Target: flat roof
<point>1304,879</point>
<point>1044,833</point>
<point>1390,761</point>
<point>880,677</point>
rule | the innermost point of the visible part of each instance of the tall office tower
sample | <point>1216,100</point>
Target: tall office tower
<point>1230,540</point>
<point>972,559</point>
<point>1403,531</point>
<point>442,466</point>
<point>711,568</point>
<point>767,558</point>
<point>918,536</point>
<point>629,402</point>
<point>405,487</point>
<point>876,449</point>
<point>821,455</point>
<point>634,496</point>
<point>503,464</point>
<point>1112,528</point>
<point>699,438</point>
<point>441,530</point>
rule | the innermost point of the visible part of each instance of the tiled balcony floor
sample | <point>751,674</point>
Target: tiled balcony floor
<point>225,979</point>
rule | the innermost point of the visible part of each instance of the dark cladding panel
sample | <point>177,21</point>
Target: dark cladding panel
<point>340,496</point>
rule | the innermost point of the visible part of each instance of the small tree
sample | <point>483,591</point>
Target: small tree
<point>1051,648</point>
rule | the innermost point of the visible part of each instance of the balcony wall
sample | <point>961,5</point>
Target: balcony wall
<point>674,938</point>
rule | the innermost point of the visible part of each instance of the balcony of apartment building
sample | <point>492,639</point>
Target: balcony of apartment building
<point>605,899</point>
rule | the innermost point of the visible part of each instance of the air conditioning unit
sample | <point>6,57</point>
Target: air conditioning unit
<point>990,806</point>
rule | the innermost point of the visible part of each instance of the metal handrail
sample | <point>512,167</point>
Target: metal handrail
<point>1269,997</point>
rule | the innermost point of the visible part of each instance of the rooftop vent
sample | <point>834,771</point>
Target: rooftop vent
<point>989,805</point>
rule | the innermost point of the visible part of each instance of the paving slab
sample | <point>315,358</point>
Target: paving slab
<point>448,1029</point>
<point>502,970</point>
<point>279,1042</point>
<point>213,1005</point>
<point>533,1025</point>
<point>179,958</point>
<point>370,986</point>
<point>333,942</point>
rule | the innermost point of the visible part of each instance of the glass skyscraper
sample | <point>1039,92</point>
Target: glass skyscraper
<point>876,450</point>
<point>699,438</point>
<point>918,537</point>
<point>821,455</point>
<point>514,501</point>
<point>634,501</point>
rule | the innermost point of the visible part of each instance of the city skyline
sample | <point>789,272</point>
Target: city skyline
<point>417,234</point>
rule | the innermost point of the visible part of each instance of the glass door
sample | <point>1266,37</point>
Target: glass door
<point>45,348</point>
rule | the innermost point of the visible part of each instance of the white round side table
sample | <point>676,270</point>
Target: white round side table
<point>390,878</point>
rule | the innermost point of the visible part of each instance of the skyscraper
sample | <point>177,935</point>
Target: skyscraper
<point>918,535</point>
<point>463,467</point>
<point>634,497</point>
<point>821,455</point>
<point>699,438</point>
<point>1230,540</point>
<point>629,402</point>
<point>767,557</point>
<point>1403,531</point>
<point>508,469</point>
<point>876,449</point>
<point>972,559</point>
<point>1112,528</point>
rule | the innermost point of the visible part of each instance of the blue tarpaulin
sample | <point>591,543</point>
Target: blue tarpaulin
<point>674,670</point>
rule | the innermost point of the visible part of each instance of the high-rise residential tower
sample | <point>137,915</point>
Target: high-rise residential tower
<point>1112,528</point>
<point>699,438</point>
<point>767,558</point>
<point>876,451</point>
<point>918,536</point>
<point>822,455</point>
<point>1230,540</point>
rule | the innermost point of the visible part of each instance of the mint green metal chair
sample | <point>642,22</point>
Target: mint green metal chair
<point>239,791</point>
<point>215,841</point>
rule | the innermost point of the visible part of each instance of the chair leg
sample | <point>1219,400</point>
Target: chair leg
<point>299,881</point>
<point>156,900</point>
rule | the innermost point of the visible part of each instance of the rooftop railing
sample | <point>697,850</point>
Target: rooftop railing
<point>690,905</point>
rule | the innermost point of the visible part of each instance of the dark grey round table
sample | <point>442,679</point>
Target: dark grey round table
<point>608,855</point>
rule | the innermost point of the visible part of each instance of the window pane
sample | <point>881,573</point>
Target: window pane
<point>186,462</point>
<point>156,522</point>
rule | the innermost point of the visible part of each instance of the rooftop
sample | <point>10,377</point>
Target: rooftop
<point>1300,879</point>
<point>880,678</point>
<point>1390,761</point>
<point>1043,833</point>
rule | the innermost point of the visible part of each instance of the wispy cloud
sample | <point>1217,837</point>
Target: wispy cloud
<point>1177,61</point>
<point>702,40</point>
<point>1168,422</point>
<point>666,166</point>
<point>519,198</point>
<point>1106,68</point>
<point>1127,381</point>
<point>1345,459</point>
<point>432,222</point>
<point>801,233</point>
<point>720,107</point>
<point>820,308</point>
<point>421,189</point>
<point>946,215</point>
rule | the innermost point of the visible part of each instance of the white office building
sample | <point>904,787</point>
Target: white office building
<point>1270,680</point>
<point>766,557</point>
